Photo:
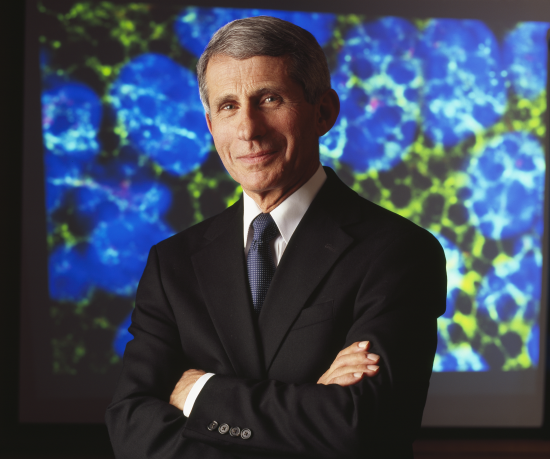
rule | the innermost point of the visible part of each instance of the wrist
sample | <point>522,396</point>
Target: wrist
<point>194,392</point>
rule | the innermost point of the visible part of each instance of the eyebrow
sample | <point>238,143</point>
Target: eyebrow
<point>225,98</point>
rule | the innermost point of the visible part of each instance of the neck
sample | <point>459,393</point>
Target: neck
<point>269,200</point>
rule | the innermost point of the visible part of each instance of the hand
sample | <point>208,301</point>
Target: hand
<point>350,365</point>
<point>183,387</point>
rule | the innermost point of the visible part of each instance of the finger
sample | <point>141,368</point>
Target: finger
<point>347,380</point>
<point>371,370</point>
<point>352,378</point>
<point>373,358</point>
<point>355,347</point>
<point>348,375</point>
<point>370,374</point>
<point>356,358</point>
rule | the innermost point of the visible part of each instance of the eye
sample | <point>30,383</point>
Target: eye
<point>228,107</point>
<point>270,99</point>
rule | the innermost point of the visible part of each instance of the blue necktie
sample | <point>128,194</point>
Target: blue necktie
<point>261,267</point>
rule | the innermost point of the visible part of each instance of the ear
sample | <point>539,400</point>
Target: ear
<point>327,112</point>
<point>208,122</point>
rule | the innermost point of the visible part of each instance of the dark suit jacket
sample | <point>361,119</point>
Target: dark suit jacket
<point>351,272</point>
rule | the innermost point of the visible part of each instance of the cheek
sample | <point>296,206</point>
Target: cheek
<point>221,142</point>
<point>291,129</point>
<point>301,123</point>
<point>299,134</point>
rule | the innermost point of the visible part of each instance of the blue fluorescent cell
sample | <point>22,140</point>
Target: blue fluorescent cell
<point>525,57</point>
<point>122,186</point>
<point>63,170</point>
<point>122,336</point>
<point>93,203</point>
<point>441,344</point>
<point>528,278</point>
<point>158,102</point>
<point>103,203</point>
<point>62,174</point>
<point>69,273</point>
<point>115,188</point>
<point>54,196</point>
<point>463,358</point>
<point>120,248</point>
<point>507,186</point>
<point>71,114</point>
<point>464,90</point>
<point>127,166</point>
<point>455,273</point>
<point>506,306</point>
<point>123,229</point>
<point>533,345</point>
<point>121,207</point>
<point>445,362</point>
<point>195,26</point>
<point>378,78</point>
<point>512,289</point>
<point>531,311</point>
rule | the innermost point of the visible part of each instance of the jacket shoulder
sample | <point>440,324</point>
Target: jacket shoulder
<point>365,219</point>
<point>395,226</point>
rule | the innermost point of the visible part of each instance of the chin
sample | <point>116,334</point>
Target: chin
<point>257,187</point>
<point>261,181</point>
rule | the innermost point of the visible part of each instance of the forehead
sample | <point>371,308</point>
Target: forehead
<point>226,74</point>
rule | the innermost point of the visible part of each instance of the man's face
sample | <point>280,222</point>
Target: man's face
<point>264,130</point>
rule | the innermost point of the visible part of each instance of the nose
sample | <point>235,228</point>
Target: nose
<point>251,124</point>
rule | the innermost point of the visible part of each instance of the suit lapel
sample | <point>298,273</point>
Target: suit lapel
<point>221,272</point>
<point>314,247</point>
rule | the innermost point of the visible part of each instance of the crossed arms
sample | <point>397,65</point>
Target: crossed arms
<point>349,366</point>
<point>337,416</point>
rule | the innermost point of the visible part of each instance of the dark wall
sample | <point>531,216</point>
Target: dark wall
<point>15,439</point>
<point>11,103</point>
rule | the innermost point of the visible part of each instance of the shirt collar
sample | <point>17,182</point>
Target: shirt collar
<point>289,213</point>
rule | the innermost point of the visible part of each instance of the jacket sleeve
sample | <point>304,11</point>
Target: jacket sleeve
<point>396,309</point>
<point>141,422</point>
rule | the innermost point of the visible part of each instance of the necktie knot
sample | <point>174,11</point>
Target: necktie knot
<point>265,229</point>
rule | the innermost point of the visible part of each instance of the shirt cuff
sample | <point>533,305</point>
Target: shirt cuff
<point>194,393</point>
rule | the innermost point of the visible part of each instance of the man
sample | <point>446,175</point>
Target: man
<point>253,330</point>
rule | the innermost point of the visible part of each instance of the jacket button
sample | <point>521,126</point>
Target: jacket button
<point>212,425</point>
<point>223,429</point>
<point>246,434</point>
<point>235,431</point>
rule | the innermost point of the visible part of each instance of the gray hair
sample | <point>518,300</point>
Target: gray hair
<point>269,36</point>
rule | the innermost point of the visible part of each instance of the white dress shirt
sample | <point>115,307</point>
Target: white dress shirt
<point>287,216</point>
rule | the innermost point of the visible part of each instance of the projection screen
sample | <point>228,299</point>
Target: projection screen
<point>443,121</point>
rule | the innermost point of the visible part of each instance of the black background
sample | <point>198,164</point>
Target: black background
<point>58,440</point>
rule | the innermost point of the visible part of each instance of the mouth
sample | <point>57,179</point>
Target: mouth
<point>256,157</point>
